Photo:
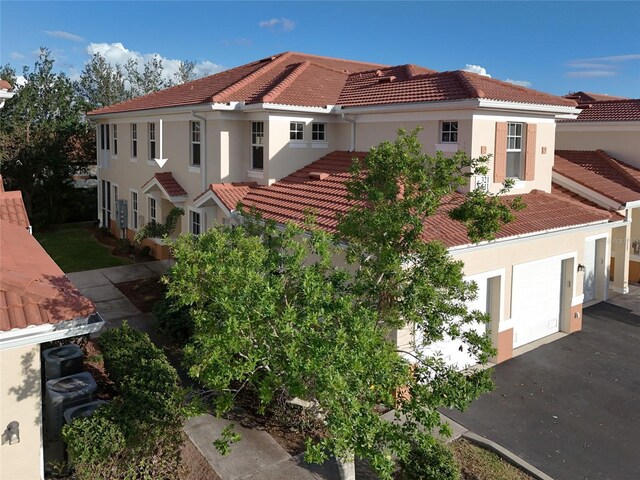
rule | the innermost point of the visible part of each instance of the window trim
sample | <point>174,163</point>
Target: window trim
<point>195,211</point>
<point>324,132</point>
<point>193,143</point>
<point>135,205</point>
<point>134,142</point>
<point>151,129</point>
<point>257,144</point>
<point>152,200</point>
<point>296,129</point>
<point>114,141</point>
<point>519,150</point>
<point>450,131</point>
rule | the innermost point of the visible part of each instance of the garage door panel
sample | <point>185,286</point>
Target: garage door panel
<point>535,300</point>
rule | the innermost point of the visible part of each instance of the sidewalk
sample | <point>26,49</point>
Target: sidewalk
<point>258,456</point>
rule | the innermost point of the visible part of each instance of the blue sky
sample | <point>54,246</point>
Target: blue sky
<point>550,46</point>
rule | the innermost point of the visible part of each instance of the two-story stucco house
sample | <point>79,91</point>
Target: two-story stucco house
<point>279,134</point>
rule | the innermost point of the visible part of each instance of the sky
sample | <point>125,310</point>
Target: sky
<point>552,46</point>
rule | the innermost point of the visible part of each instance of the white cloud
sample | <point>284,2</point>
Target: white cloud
<point>64,35</point>
<point>615,58</point>
<point>599,66</point>
<point>16,55</point>
<point>521,83</point>
<point>591,74</point>
<point>476,69</point>
<point>20,80</point>
<point>284,23</point>
<point>117,53</point>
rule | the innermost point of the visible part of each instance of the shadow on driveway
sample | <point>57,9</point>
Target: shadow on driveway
<point>572,407</point>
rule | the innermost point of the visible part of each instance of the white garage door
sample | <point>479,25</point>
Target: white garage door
<point>535,300</point>
<point>455,352</point>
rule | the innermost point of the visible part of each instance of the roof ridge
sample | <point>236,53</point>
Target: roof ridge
<point>466,81</point>
<point>619,168</point>
<point>324,57</point>
<point>288,80</point>
<point>219,97</point>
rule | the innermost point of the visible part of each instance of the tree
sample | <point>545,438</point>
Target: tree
<point>274,314</point>
<point>101,84</point>
<point>186,72</point>
<point>41,135</point>
<point>147,80</point>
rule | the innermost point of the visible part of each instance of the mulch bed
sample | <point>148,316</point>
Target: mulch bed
<point>143,293</point>
<point>105,237</point>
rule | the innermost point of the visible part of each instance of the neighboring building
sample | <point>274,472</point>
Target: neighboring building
<point>609,125</point>
<point>279,134</point>
<point>5,92</point>
<point>38,304</point>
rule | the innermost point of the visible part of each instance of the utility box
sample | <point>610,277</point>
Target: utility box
<point>62,361</point>
<point>62,394</point>
<point>122,213</point>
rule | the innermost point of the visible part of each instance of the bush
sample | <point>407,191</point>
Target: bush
<point>123,245</point>
<point>144,251</point>
<point>174,322</point>
<point>138,436</point>
<point>435,462</point>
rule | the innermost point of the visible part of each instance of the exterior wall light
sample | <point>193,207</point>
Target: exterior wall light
<point>581,268</point>
<point>12,434</point>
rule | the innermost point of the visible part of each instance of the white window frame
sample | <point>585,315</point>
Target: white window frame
<point>193,142</point>
<point>135,198</point>
<point>317,132</point>
<point>257,141</point>
<point>512,141</point>
<point>151,141</point>
<point>134,142</point>
<point>449,131</point>
<point>192,212</point>
<point>152,207</point>
<point>296,131</point>
<point>114,140</point>
<point>104,137</point>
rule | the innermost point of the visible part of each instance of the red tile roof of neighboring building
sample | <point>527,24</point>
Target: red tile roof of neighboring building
<point>382,87</point>
<point>4,85</point>
<point>609,111</point>
<point>312,81</point>
<point>33,289</point>
<point>600,173</point>
<point>308,192</point>
<point>168,183</point>
<point>12,208</point>
<point>229,193</point>
<point>588,97</point>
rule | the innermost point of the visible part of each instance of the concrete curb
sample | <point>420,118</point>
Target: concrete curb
<point>508,456</point>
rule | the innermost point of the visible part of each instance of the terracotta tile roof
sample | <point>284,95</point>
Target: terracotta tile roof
<point>12,208</point>
<point>325,196</point>
<point>588,97</point>
<point>385,87</point>
<point>609,111</point>
<point>4,85</point>
<point>250,83</point>
<point>567,194</point>
<point>600,173</point>
<point>229,193</point>
<point>33,289</point>
<point>168,183</point>
<point>307,80</point>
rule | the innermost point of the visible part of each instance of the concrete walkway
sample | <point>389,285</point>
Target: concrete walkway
<point>258,456</point>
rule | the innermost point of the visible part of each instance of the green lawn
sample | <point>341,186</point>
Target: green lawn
<point>74,248</point>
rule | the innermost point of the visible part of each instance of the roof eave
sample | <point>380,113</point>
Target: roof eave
<point>586,192</point>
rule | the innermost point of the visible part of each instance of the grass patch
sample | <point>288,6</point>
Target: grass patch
<point>74,248</point>
<point>476,463</point>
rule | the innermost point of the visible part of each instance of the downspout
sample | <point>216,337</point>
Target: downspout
<point>203,161</point>
<point>353,131</point>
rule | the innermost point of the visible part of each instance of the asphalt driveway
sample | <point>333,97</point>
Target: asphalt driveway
<point>572,407</point>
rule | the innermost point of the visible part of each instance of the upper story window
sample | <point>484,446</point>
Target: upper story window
<point>195,144</point>
<point>296,131</point>
<point>153,211</point>
<point>115,139</point>
<point>134,140</point>
<point>257,145</point>
<point>194,224</point>
<point>319,132</point>
<point>449,132</point>
<point>152,141</point>
<point>104,137</point>
<point>514,151</point>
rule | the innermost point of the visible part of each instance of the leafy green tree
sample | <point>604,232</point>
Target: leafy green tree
<point>42,139</point>
<point>274,313</point>
<point>101,84</point>
<point>147,80</point>
<point>186,72</point>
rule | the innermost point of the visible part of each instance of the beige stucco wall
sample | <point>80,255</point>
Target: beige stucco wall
<point>20,400</point>
<point>621,141</point>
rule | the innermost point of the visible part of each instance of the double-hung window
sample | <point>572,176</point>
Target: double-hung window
<point>115,140</point>
<point>514,151</point>
<point>104,137</point>
<point>257,145</point>
<point>319,132</point>
<point>153,212</point>
<point>195,144</point>
<point>194,224</point>
<point>134,140</point>
<point>449,132</point>
<point>296,131</point>
<point>134,210</point>
<point>152,141</point>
